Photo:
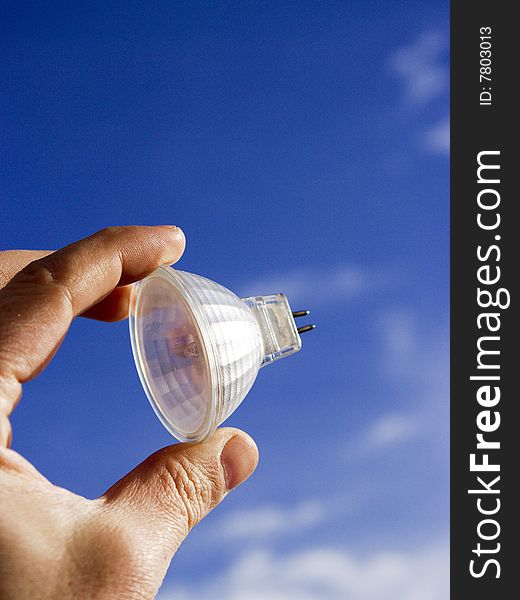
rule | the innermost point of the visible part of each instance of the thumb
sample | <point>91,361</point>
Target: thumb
<point>172,490</point>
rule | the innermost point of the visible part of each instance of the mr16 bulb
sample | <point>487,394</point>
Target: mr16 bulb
<point>198,347</point>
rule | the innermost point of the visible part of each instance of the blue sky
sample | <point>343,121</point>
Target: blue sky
<point>303,147</point>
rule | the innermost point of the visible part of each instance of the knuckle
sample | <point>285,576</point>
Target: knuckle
<point>45,274</point>
<point>39,272</point>
<point>111,232</point>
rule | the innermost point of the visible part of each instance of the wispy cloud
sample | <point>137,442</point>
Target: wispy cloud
<point>327,573</point>
<point>413,351</point>
<point>422,66</point>
<point>437,138</point>
<point>344,282</point>
<point>387,432</point>
<point>391,429</point>
<point>417,363</point>
<point>272,520</point>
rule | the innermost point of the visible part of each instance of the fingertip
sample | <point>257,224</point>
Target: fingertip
<point>176,245</point>
<point>239,457</point>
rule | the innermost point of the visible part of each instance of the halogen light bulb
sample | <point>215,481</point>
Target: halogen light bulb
<point>198,347</point>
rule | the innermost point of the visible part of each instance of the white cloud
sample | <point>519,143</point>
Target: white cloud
<point>437,138</point>
<point>423,68</point>
<point>414,353</point>
<point>272,520</point>
<point>327,573</point>
<point>325,286</point>
<point>385,433</point>
<point>392,429</point>
<point>398,336</point>
<point>417,362</point>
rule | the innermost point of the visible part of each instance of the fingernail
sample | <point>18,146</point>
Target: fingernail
<point>239,458</point>
<point>169,228</point>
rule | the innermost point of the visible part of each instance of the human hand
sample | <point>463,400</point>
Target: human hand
<point>56,544</point>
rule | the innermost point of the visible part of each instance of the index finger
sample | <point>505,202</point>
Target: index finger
<point>112,308</point>
<point>39,303</point>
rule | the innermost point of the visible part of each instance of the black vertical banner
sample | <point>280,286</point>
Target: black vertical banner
<point>485,346</point>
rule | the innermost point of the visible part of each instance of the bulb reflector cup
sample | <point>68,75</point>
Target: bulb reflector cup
<point>198,347</point>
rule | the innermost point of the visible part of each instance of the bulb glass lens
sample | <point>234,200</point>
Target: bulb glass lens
<point>171,357</point>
